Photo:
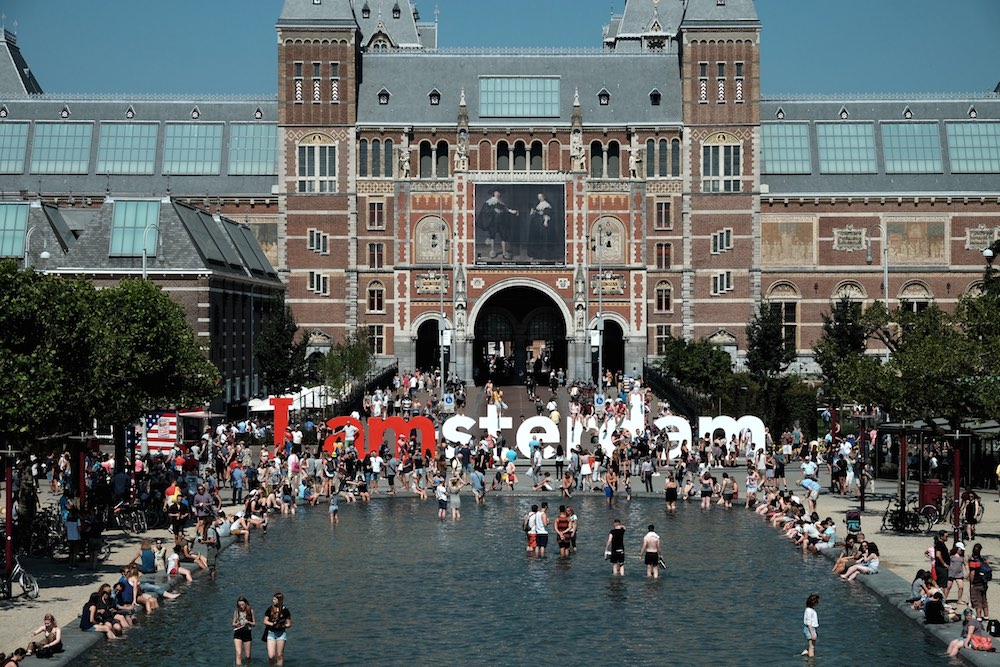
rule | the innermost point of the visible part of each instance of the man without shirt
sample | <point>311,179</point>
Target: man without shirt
<point>651,553</point>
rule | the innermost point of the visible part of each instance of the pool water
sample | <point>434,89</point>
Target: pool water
<point>394,585</point>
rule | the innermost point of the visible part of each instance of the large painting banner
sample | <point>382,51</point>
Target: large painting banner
<point>520,224</point>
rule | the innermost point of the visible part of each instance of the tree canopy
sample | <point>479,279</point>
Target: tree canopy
<point>71,353</point>
<point>281,359</point>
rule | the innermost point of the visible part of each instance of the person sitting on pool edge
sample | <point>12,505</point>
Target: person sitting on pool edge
<point>867,565</point>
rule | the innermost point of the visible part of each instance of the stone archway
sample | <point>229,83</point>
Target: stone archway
<point>518,329</point>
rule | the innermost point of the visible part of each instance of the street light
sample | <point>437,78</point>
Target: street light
<point>602,241</point>
<point>27,240</point>
<point>884,240</point>
<point>444,244</point>
<point>145,231</point>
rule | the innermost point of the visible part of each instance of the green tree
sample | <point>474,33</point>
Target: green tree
<point>840,348</point>
<point>45,354</point>
<point>698,365</point>
<point>770,350</point>
<point>145,356</point>
<point>348,361</point>
<point>281,359</point>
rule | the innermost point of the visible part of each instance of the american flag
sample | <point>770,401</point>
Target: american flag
<point>161,430</point>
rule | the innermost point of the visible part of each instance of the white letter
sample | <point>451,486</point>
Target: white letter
<point>678,430</point>
<point>493,422</point>
<point>454,429</point>
<point>549,434</point>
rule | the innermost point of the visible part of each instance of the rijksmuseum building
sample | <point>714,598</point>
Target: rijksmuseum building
<point>527,204</point>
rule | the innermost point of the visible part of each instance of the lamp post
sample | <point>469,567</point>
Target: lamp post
<point>598,250</point>
<point>145,231</point>
<point>27,240</point>
<point>444,245</point>
<point>884,240</point>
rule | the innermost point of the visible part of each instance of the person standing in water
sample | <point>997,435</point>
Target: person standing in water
<point>651,553</point>
<point>277,619</point>
<point>614,549</point>
<point>810,622</point>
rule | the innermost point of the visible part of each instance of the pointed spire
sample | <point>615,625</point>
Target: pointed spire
<point>461,98</point>
<point>576,97</point>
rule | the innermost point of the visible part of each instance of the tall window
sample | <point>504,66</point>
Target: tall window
<point>376,215</point>
<point>596,160</point>
<point>376,338</point>
<point>503,156</point>
<point>675,157</point>
<point>376,297</point>
<point>720,168</point>
<point>13,146</point>
<point>319,283</point>
<point>426,160</point>
<point>442,159</point>
<point>662,338</point>
<point>520,156</point>
<point>663,294</point>
<point>788,310</point>
<point>13,228</point>
<point>363,157</point>
<point>376,255</point>
<point>663,251</point>
<point>376,158</point>
<point>663,220</point>
<point>614,160</point>
<point>536,156</point>
<point>317,168</point>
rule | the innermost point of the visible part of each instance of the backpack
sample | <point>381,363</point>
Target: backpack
<point>993,627</point>
<point>526,523</point>
<point>985,571</point>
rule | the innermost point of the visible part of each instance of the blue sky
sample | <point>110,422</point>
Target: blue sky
<point>229,46</point>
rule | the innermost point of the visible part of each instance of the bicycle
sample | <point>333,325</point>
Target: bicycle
<point>27,582</point>
<point>905,520</point>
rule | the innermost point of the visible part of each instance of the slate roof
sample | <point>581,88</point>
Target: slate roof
<point>639,15</point>
<point>402,31</point>
<point>16,78</point>
<point>147,108</point>
<point>409,77</point>
<point>879,109</point>
<point>302,13</point>
<point>190,241</point>
<point>699,13</point>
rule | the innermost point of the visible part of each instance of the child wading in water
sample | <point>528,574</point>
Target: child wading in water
<point>810,622</point>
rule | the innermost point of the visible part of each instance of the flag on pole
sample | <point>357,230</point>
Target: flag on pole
<point>161,430</point>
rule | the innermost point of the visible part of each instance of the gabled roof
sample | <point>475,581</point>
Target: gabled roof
<point>402,31</point>
<point>16,78</point>
<point>410,75</point>
<point>640,15</point>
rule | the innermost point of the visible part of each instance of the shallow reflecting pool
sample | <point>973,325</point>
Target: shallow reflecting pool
<point>393,585</point>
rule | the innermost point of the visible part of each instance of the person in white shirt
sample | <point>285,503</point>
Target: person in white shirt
<point>810,622</point>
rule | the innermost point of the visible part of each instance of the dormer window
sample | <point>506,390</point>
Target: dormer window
<point>258,114</point>
<point>843,113</point>
<point>604,97</point>
<point>195,114</point>
<point>435,97</point>
<point>383,96</point>
<point>780,114</point>
<point>366,11</point>
<point>64,113</point>
<point>130,112</point>
<point>3,111</point>
<point>973,113</point>
<point>396,11</point>
<point>907,113</point>
<point>655,97</point>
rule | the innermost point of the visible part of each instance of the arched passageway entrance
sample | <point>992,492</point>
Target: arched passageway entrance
<point>613,353</point>
<point>519,330</point>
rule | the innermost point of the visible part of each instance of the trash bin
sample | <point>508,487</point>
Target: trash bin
<point>931,492</point>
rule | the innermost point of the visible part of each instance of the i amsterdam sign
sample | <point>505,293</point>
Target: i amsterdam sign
<point>458,429</point>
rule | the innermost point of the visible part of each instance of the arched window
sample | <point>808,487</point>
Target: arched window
<point>426,160</point>
<point>520,156</point>
<point>376,297</point>
<point>664,293</point>
<point>376,158</point>
<point>783,298</point>
<point>650,158</point>
<point>596,160</point>
<point>675,158</point>
<point>363,157</point>
<point>915,296</point>
<point>389,161</point>
<point>503,156</point>
<point>442,159</point>
<point>536,156</point>
<point>662,161</point>
<point>614,161</point>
